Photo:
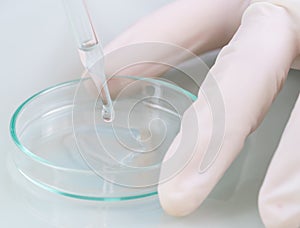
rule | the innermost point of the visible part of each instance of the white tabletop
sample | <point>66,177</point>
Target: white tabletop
<point>37,51</point>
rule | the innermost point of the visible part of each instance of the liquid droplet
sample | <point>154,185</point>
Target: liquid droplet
<point>107,114</point>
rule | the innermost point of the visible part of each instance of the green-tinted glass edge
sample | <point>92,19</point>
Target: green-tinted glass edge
<point>81,197</point>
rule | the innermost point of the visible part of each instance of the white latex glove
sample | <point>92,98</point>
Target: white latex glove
<point>250,71</point>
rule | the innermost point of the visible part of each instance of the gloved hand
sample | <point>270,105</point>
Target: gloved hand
<point>260,40</point>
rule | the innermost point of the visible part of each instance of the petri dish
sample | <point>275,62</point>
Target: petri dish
<point>65,147</point>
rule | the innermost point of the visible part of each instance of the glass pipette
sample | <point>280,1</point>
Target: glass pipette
<point>90,51</point>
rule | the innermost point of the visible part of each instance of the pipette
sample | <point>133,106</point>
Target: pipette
<point>90,50</point>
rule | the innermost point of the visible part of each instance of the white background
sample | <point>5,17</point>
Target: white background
<point>36,51</point>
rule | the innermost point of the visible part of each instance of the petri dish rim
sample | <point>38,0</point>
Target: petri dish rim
<point>27,152</point>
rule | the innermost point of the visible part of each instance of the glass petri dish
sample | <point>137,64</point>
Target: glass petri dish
<point>65,147</point>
